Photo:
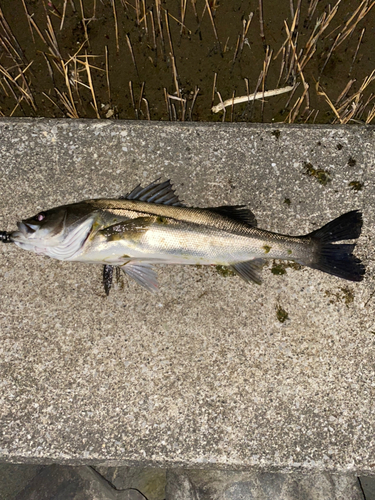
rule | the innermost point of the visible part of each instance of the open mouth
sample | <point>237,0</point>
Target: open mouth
<point>26,228</point>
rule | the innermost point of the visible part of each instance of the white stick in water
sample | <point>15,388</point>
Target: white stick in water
<point>250,97</point>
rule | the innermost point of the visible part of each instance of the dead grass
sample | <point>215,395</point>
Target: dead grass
<point>148,38</point>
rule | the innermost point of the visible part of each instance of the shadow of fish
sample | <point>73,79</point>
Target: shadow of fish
<point>151,226</point>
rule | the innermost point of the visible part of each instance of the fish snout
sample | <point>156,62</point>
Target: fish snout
<point>27,229</point>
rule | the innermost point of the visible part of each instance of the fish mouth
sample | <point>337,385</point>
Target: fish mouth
<point>27,229</point>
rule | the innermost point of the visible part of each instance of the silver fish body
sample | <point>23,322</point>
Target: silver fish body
<point>151,226</point>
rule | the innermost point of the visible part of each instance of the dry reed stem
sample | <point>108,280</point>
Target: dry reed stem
<point>145,17</point>
<point>222,104</point>
<point>183,26</point>
<point>309,116</point>
<point>4,89</point>
<point>141,95</point>
<point>13,43</point>
<point>266,64</point>
<point>138,12</point>
<point>147,109</point>
<point>63,14</point>
<point>236,50</point>
<point>311,10</point>
<point>356,50</point>
<point>131,52</point>
<point>69,106</point>
<point>322,93</point>
<point>84,23</point>
<point>53,102</point>
<point>213,90</point>
<point>183,15</point>
<point>250,97</point>
<point>362,11</point>
<point>196,92</point>
<point>160,25</point>
<point>320,26</point>
<point>344,92</point>
<point>168,32</point>
<point>35,26</point>
<point>300,72</point>
<point>370,116</point>
<point>245,29</point>
<point>132,98</point>
<point>67,84</point>
<point>28,20</point>
<point>53,45</point>
<point>153,29</point>
<point>261,23</point>
<point>281,67</point>
<point>107,73</point>
<point>232,107</point>
<point>213,26</point>
<point>116,26</point>
<point>16,106</point>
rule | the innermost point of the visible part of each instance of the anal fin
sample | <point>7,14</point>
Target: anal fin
<point>249,270</point>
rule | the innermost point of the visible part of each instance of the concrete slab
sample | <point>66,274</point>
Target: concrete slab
<point>203,374</point>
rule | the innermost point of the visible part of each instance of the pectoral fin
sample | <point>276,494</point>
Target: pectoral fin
<point>249,270</point>
<point>143,274</point>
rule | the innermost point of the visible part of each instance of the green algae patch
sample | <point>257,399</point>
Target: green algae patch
<point>345,295</point>
<point>225,271</point>
<point>279,267</point>
<point>281,314</point>
<point>352,162</point>
<point>356,185</point>
<point>266,248</point>
<point>348,295</point>
<point>322,176</point>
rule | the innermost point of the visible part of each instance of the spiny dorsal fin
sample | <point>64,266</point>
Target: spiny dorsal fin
<point>158,193</point>
<point>237,212</point>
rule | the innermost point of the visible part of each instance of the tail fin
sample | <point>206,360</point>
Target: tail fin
<point>339,259</point>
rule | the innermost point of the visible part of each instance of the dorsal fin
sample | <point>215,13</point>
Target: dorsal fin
<point>158,193</point>
<point>237,212</point>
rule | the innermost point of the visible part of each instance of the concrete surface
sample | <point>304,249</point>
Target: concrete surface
<point>203,374</point>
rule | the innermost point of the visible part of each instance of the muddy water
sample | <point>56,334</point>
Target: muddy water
<point>145,63</point>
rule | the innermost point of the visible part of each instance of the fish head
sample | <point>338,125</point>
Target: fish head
<point>48,226</point>
<point>58,232</point>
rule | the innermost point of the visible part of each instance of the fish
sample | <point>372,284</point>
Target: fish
<point>150,226</point>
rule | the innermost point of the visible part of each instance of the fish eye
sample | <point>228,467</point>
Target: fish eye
<point>40,216</point>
